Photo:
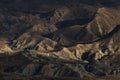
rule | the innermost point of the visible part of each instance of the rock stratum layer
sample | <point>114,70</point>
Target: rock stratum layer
<point>59,40</point>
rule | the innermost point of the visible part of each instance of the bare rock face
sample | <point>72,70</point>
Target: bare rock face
<point>60,41</point>
<point>4,47</point>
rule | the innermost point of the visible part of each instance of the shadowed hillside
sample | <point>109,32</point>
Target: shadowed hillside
<point>59,39</point>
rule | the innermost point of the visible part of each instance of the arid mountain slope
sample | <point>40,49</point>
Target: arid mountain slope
<point>76,40</point>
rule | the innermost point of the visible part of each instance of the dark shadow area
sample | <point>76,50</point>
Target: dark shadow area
<point>19,61</point>
<point>34,4</point>
<point>88,56</point>
<point>68,23</point>
<point>47,15</point>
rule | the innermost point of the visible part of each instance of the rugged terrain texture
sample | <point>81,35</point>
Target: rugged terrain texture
<point>59,40</point>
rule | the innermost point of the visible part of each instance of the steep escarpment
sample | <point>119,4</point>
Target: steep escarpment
<point>71,41</point>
